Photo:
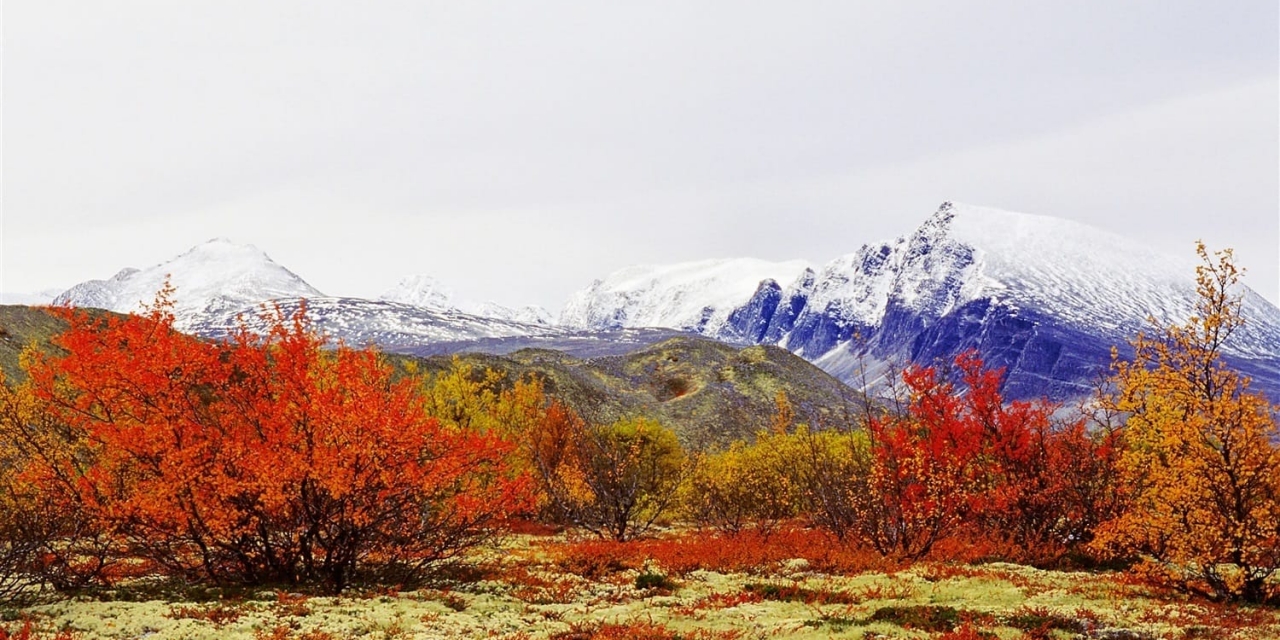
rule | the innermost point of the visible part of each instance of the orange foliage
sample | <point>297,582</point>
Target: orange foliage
<point>640,630</point>
<point>262,459</point>
<point>1200,467</point>
<point>748,551</point>
<point>27,631</point>
<point>962,457</point>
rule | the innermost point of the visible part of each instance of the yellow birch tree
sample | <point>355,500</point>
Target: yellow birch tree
<point>1200,463</point>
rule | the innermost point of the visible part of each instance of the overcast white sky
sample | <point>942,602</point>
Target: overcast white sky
<point>518,150</point>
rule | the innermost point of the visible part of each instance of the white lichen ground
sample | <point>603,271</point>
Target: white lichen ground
<point>498,609</point>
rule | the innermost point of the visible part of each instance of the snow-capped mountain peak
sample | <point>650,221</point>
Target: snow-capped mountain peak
<point>1090,275</point>
<point>216,277</point>
<point>1044,298</point>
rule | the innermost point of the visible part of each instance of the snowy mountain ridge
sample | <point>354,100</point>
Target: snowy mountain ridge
<point>697,296</point>
<point>220,283</point>
<point>962,253</point>
<point>215,278</point>
<point>428,293</point>
<point>1044,298</point>
<point>389,325</point>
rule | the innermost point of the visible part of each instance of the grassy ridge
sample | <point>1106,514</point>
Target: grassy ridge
<point>21,326</point>
<point>710,393</point>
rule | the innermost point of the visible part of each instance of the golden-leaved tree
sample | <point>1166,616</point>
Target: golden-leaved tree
<point>616,480</point>
<point>1200,462</point>
<point>746,486</point>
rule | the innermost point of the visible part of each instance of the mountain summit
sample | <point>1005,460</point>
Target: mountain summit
<point>1042,297</point>
<point>420,291</point>
<point>215,278</point>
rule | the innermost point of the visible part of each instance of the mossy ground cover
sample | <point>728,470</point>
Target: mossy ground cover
<point>532,587</point>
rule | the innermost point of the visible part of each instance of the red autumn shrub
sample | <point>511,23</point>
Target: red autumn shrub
<point>748,551</point>
<point>26,630</point>
<point>639,630</point>
<point>960,458</point>
<point>263,459</point>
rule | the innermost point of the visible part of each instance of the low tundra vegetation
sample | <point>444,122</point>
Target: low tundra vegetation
<point>275,486</point>
<point>675,585</point>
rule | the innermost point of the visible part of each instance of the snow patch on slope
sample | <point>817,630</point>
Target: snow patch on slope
<point>389,325</point>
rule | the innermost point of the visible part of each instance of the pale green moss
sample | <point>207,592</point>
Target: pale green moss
<point>493,610</point>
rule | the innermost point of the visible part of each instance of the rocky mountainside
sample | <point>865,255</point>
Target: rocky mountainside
<point>1042,297</point>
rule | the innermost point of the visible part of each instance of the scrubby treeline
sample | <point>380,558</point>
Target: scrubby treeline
<point>133,449</point>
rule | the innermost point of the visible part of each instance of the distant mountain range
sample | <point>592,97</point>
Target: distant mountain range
<point>1044,298</point>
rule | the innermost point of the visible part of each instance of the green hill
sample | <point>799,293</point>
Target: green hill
<point>21,326</point>
<point>708,391</point>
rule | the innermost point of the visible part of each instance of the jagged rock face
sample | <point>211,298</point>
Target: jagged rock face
<point>750,323</point>
<point>1046,299</point>
<point>1040,357</point>
<point>793,302</point>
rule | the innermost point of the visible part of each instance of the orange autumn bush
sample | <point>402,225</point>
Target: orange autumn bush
<point>262,459</point>
<point>1200,467</point>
